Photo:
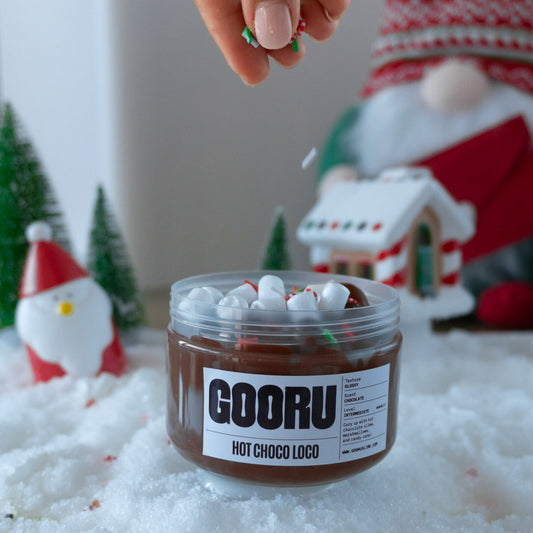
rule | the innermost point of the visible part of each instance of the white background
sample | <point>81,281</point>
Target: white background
<point>134,94</point>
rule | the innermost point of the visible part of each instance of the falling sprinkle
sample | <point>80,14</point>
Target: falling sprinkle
<point>110,458</point>
<point>90,403</point>
<point>309,158</point>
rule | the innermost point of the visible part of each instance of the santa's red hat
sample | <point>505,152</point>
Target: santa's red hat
<point>47,264</point>
<point>418,34</point>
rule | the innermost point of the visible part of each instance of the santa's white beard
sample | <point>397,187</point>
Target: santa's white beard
<point>76,342</point>
<point>396,127</point>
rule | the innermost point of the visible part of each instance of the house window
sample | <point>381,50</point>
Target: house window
<point>353,263</point>
<point>424,278</point>
<point>341,266</point>
<point>364,269</point>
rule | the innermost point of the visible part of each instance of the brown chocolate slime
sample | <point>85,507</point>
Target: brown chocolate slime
<point>187,359</point>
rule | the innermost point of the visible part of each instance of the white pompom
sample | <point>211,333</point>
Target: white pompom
<point>39,231</point>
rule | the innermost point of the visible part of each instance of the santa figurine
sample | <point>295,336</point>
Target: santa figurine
<point>451,88</point>
<point>63,316</point>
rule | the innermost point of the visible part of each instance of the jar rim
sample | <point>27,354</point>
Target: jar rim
<point>383,310</point>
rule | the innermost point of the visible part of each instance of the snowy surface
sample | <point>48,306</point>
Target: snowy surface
<point>93,455</point>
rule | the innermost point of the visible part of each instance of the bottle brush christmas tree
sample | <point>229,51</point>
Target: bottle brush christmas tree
<point>110,266</point>
<point>25,197</point>
<point>276,255</point>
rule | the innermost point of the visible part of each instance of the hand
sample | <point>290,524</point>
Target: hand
<point>273,23</point>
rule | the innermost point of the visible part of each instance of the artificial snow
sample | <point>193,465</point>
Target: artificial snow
<point>92,455</point>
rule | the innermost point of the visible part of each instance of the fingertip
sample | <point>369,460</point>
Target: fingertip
<point>287,57</point>
<point>334,10</point>
<point>251,79</point>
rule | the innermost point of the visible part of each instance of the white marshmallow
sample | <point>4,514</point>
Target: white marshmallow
<point>302,301</point>
<point>269,283</point>
<point>246,291</point>
<point>198,294</point>
<point>316,289</point>
<point>215,294</point>
<point>273,300</point>
<point>333,297</point>
<point>233,300</point>
<point>257,305</point>
<point>229,307</point>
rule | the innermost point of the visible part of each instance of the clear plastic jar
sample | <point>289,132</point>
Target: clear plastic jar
<point>282,398</point>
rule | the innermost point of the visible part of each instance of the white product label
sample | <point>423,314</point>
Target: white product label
<point>295,420</point>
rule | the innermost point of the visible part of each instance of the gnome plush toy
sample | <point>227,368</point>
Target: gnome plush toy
<point>63,316</point>
<point>451,88</point>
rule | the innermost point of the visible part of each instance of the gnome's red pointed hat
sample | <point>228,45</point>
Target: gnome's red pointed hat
<point>47,264</point>
<point>418,34</point>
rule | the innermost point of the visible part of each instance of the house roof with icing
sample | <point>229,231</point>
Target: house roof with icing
<point>375,214</point>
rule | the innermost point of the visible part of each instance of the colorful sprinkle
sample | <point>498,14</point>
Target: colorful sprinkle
<point>94,505</point>
<point>299,30</point>
<point>327,333</point>
<point>249,38</point>
<point>256,288</point>
<point>90,403</point>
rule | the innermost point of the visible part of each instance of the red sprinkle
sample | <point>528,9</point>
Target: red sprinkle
<point>94,505</point>
<point>90,403</point>
<point>255,287</point>
<point>110,458</point>
<point>472,472</point>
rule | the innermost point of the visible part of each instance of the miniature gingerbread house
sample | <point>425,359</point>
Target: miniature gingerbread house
<point>403,229</point>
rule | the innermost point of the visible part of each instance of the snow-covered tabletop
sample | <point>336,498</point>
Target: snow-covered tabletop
<point>93,454</point>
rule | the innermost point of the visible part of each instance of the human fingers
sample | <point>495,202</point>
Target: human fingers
<point>334,9</point>
<point>225,22</point>
<point>273,22</point>
<point>319,26</point>
<point>287,57</point>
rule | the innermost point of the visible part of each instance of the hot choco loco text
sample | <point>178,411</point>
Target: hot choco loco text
<point>266,407</point>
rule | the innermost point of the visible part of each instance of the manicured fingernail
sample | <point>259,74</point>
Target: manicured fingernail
<point>273,28</point>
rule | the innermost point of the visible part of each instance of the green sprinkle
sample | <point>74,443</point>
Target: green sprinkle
<point>248,35</point>
<point>329,336</point>
<point>295,47</point>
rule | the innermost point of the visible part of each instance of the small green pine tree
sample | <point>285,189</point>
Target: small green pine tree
<point>25,197</point>
<point>110,266</point>
<point>276,255</point>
